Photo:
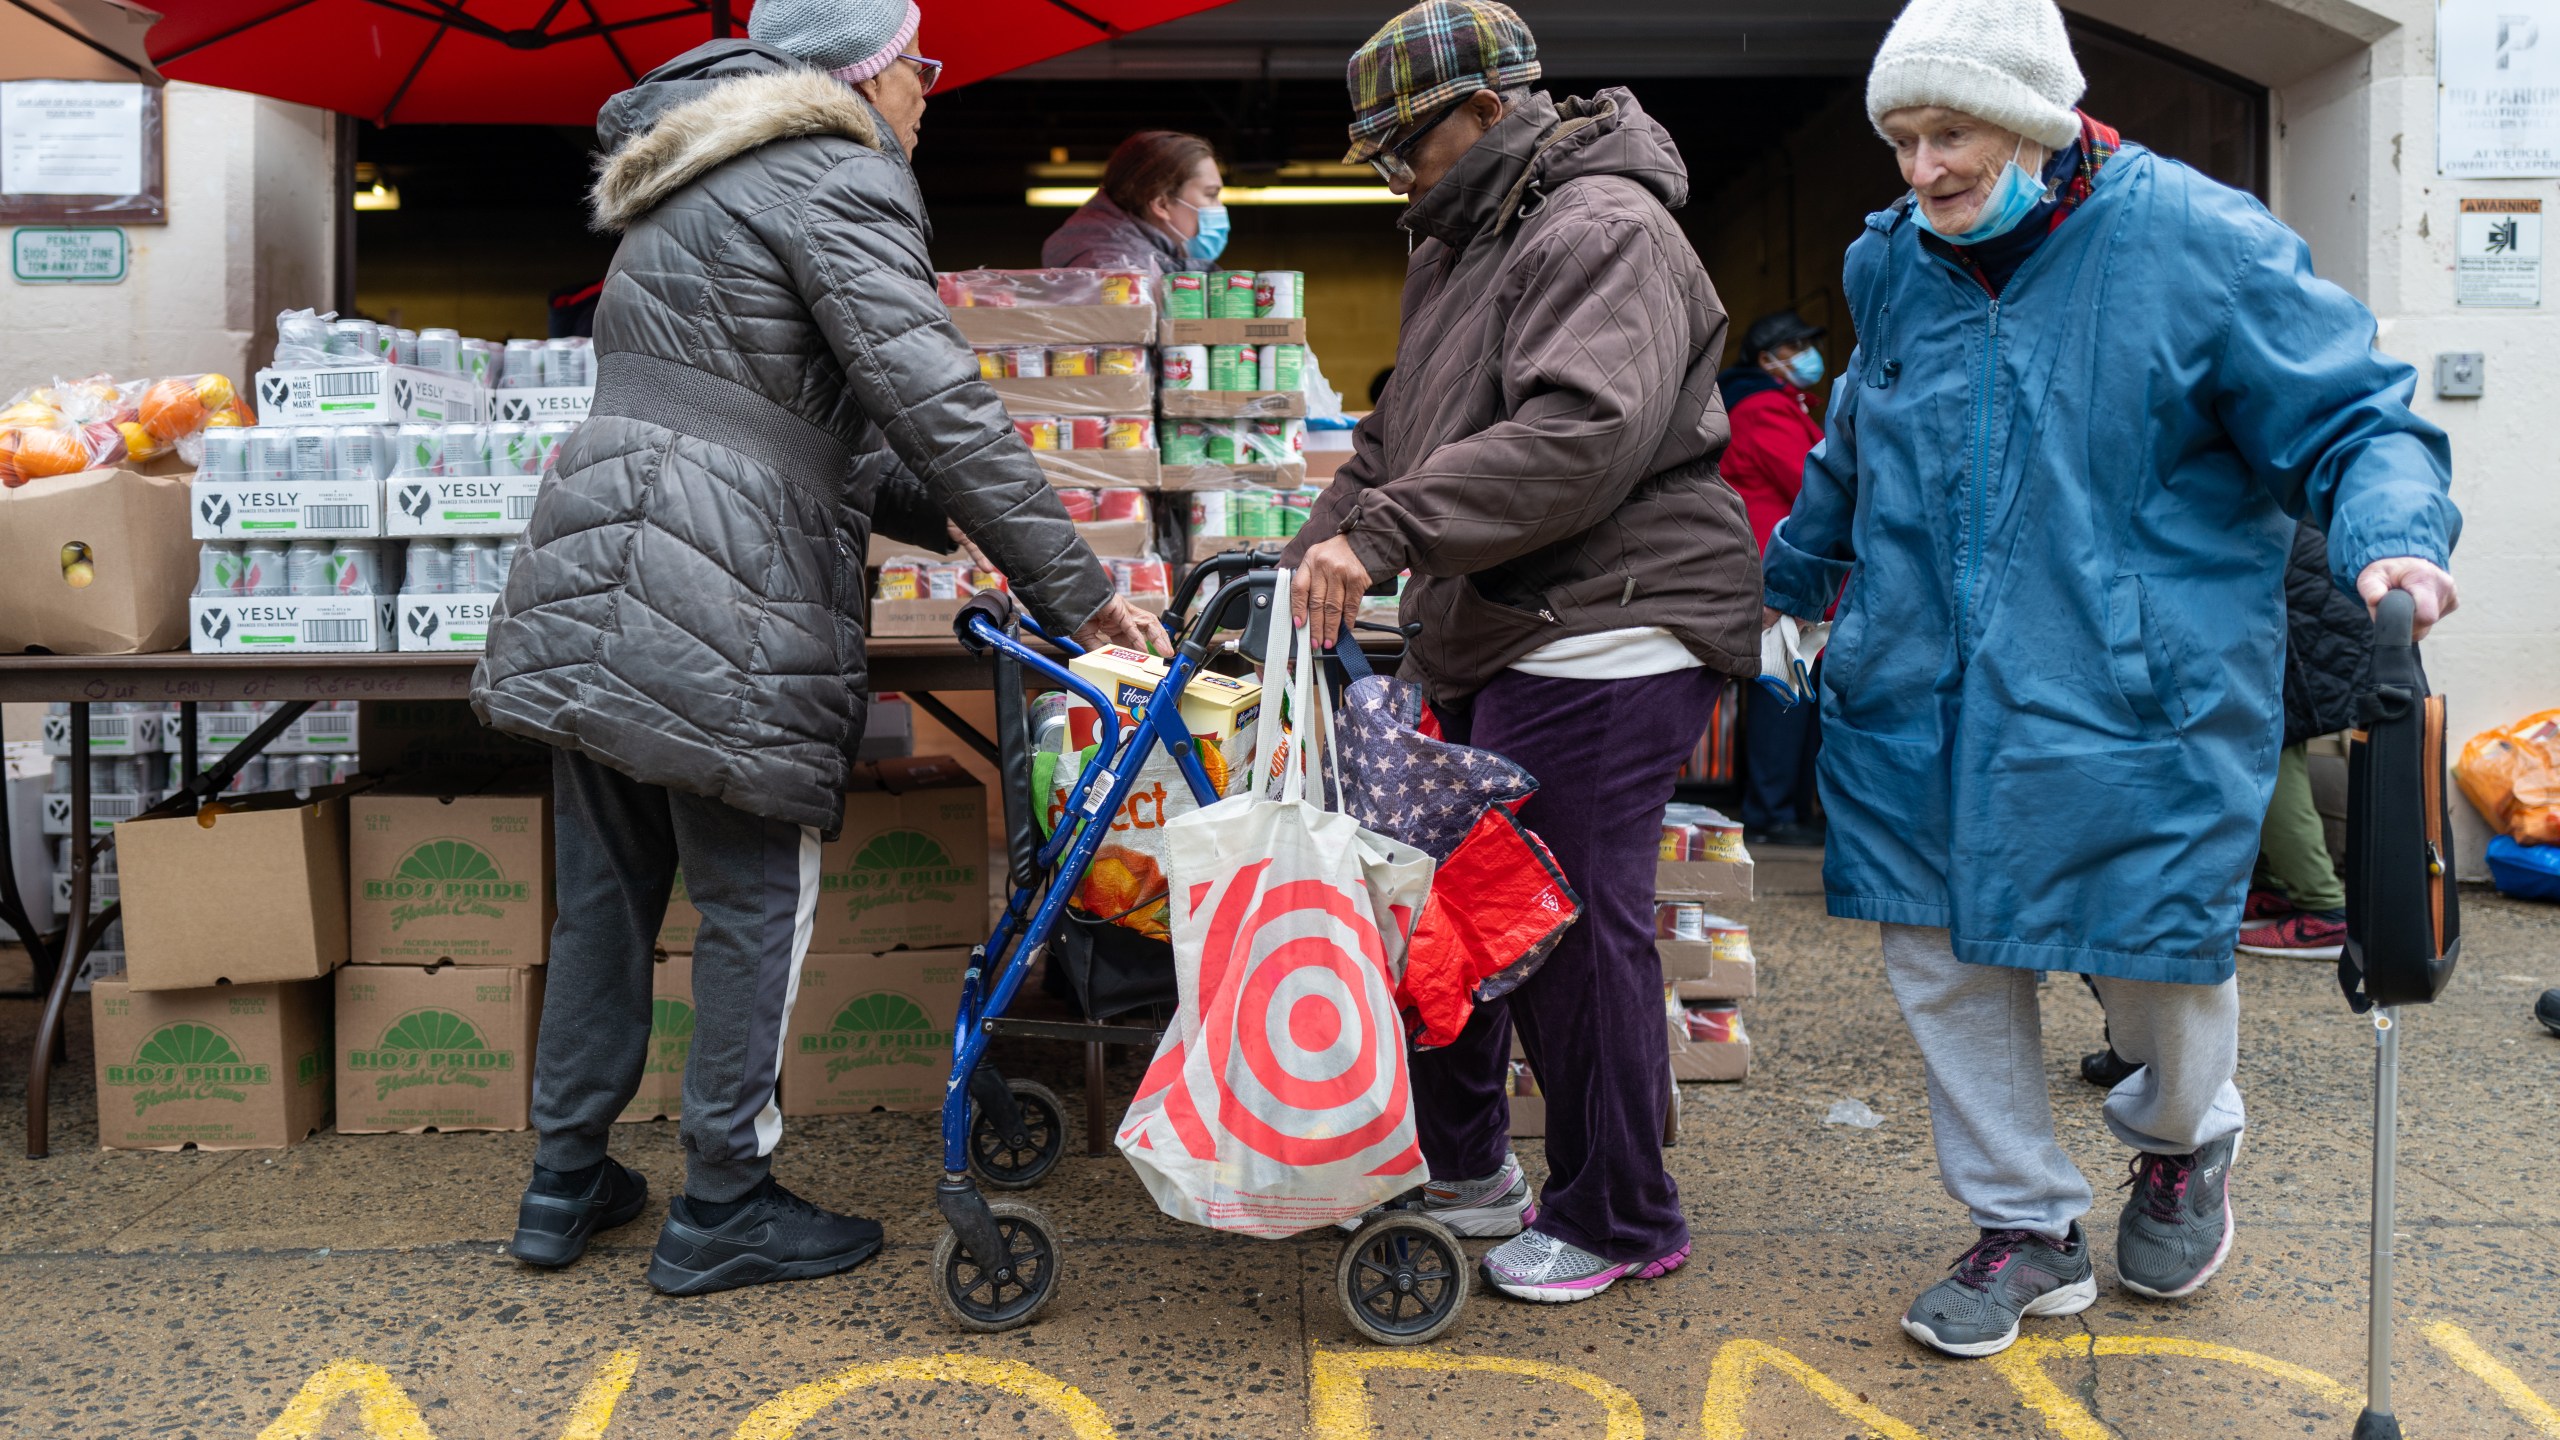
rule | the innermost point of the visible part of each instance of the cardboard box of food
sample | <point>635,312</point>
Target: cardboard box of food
<point>97,563</point>
<point>872,1032</point>
<point>459,505</point>
<point>910,869</point>
<point>238,1067</point>
<point>988,325</point>
<point>1723,1055</point>
<point>1231,332</point>
<point>442,1048</point>
<point>366,394</point>
<point>447,622</point>
<point>1726,881</point>
<point>1249,404</point>
<point>1528,1105</point>
<point>255,891</point>
<point>1079,394</point>
<point>914,619</point>
<point>1288,475</point>
<point>661,1092</point>
<point>1125,538</point>
<point>260,510</point>
<point>1716,969</point>
<point>459,877</point>
<point>533,404</point>
<point>290,624</point>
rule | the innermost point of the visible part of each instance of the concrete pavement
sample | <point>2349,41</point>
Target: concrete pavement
<point>354,1286</point>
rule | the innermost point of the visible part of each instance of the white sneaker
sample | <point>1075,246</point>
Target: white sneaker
<point>1493,1208</point>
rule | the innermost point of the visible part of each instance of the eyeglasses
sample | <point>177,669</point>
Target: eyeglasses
<point>927,72</point>
<point>1394,164</point>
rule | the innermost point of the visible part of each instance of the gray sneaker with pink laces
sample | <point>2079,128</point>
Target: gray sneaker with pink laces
<point>1537,1266</point>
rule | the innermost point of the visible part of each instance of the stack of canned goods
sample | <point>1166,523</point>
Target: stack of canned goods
<point>119,775</point>
<point>1234,442</point>
<point>1088,506</point>
<point>912,577</point>
<point>1086,432</point>
<point>1695,832</point>
<point>1235,367</point>
<point>276,772</point>
<point>1059,362</point>
<point>541,364</point>
<point>464,565</point>
<point>296,454</point>
<point>1235,295</point>
<point>254,569</point>
<point>498,448</point>
<point>1252,514</point>
<point>360,342</point>
<point>1028,289</point>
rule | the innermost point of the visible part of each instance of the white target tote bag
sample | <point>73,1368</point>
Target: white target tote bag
<point>1278,1101</point>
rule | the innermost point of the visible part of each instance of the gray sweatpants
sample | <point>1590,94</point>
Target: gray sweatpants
<point>615,850</point>
<point>1981,1034</point>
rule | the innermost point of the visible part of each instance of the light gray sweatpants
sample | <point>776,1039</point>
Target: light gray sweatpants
<point>1981,1034</point>
<point>616,844</point>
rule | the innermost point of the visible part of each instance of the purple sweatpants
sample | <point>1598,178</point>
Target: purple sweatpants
<point>1605,753</point>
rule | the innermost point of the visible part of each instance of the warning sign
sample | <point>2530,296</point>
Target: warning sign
<point>2497,253</point>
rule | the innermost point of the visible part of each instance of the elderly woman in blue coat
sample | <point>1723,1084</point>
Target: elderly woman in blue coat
<point>2091,393</point>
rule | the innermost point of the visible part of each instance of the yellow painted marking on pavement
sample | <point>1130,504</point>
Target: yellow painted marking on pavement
<point>383,1409</point>
<point>1729,1392</point>
<point>782,1416</point>
<point>1338,1400</point>
<point>2462,1350</point>
<point>2022,1365</point>
<point>594,1409</point>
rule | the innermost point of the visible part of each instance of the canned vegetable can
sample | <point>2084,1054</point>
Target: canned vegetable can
<point>990,364</point>
<point>1230,294</point>
<point>1123,360</point>
<point>1279,295</point>
<point>1074,361</point>
<point>1040,432</point>
<point>1233,367</point>
<point>1185,442</point>
<point>1186,295</point>
<point>1127,432</point>
<point>1081,432</point>
<point>1186,367</point>
<point>1122,287</point>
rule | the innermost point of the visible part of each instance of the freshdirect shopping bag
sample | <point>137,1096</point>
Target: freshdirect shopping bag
<point>1279,1100</point>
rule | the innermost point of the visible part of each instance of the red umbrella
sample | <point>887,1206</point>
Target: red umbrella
<point>552,62</point>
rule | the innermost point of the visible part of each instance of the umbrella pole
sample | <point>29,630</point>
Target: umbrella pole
<point>2377,1422</point>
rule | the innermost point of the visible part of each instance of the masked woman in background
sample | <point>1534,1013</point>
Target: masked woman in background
<point>1157,210</point>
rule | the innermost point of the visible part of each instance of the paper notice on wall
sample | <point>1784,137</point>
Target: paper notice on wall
<point>2498,88</point>
<point>2497,253</point>
<point>70,137</point>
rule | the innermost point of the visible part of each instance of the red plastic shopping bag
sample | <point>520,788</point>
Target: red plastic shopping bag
<point>1279,1101</point>
<point>1498,904</point>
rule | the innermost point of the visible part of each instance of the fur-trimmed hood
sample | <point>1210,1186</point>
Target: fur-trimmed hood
<point>705,107</point>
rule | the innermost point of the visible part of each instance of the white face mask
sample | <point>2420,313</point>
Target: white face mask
<point>2014,197</point>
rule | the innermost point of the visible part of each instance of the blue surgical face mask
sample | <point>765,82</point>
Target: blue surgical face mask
<point>1805,370</point>
<point>1211,241</point>
<point>2012,199</point>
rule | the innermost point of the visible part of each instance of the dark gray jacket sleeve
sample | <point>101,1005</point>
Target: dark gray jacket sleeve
<point>908,368</point>
<point>902,509</point>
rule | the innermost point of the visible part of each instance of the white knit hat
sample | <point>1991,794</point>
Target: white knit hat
<point>2005,61</point>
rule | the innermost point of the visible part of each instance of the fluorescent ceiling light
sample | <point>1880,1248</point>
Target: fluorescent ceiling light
<point>378,196</point>
<point>1067,197</point>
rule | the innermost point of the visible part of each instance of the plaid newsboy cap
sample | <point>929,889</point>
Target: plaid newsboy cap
<point>1428,58</point>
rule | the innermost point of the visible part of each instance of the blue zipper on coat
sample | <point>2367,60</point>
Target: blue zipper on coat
<point>1981,467</point>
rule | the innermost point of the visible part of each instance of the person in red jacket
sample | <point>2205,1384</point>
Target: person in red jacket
<point>1766,398</point>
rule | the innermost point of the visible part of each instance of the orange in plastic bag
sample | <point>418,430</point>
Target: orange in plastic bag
<point>2512,777</point>
<point>181,404</point>
<point>33,452</point>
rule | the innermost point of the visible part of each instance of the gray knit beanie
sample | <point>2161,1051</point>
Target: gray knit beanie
<point>2005,61</point>
<point>854,38</point>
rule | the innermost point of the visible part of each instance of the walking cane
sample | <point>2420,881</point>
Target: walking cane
<point>2404,925</point>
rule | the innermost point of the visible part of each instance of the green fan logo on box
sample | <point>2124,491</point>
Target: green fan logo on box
<point>670,1035</point>
<point>881,1028</point>
<point>430,1047</point>
<point>447,877</point>
<point>185,1060</point>
<point>900,867</point>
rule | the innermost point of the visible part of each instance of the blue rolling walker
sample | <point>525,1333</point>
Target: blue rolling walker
<point>1402,1278</point>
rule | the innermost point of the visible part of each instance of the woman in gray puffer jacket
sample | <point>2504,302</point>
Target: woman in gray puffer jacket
<point>774,375</point>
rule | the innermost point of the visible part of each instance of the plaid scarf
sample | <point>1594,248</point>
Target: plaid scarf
<point>2098,145</point>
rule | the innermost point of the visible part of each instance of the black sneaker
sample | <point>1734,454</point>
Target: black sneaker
<point>552,1229</point>
<point>2106,1069</point>
<point>2547,1010</point>
<point>778,1236</point>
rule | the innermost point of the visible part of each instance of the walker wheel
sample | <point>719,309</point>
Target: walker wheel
<point>1402,1279</point>
<point>976,1298</point>
<point>1006,1166</point>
